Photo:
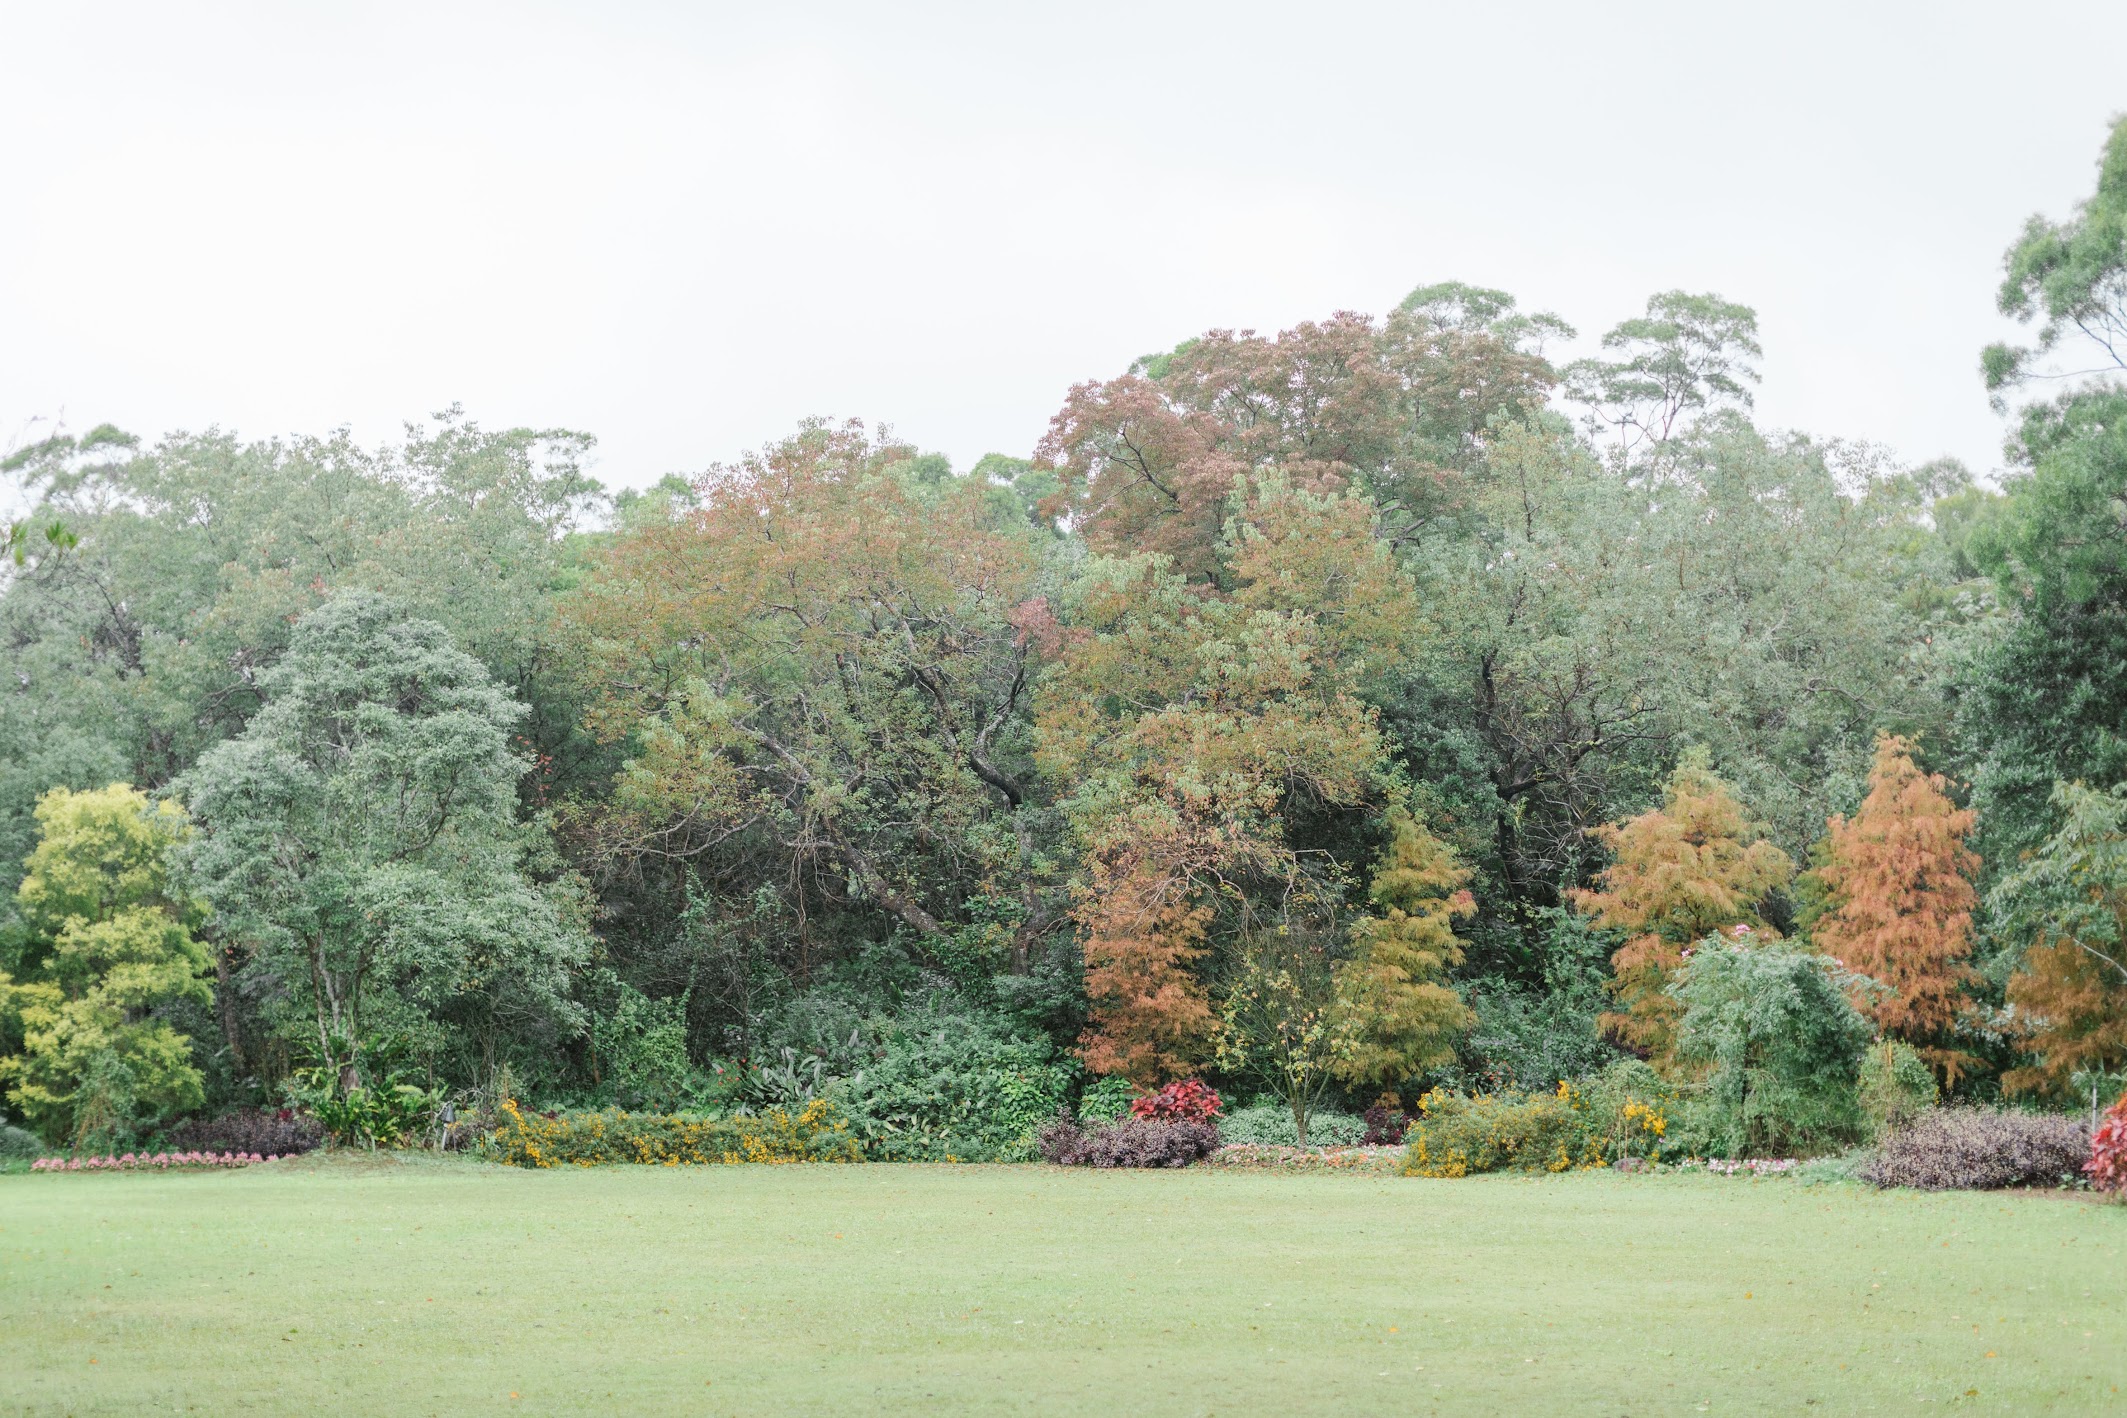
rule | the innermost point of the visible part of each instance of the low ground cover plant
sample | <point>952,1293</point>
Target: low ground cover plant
<point>815,1133</point>
<point>1257,1157</point>
<point>1129,1142</point>
<point>1270,1124</point>
<point>1980,1149</point>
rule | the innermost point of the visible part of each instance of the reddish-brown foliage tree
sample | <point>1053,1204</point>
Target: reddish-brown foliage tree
<point>1689,869</point>
<point>1899,884</point>
<point>1396,409</point>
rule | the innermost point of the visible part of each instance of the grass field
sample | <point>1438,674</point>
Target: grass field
<point>449,1287</point>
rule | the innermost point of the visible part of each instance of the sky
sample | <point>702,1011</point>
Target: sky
<point>683,228</point>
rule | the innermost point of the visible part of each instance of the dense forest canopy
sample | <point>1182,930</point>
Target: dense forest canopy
<point>1373,703</point>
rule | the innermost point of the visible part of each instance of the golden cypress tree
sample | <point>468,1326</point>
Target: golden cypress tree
<point>1403,1015</point>
<point>1898,882</point>
<point>1693,867</point>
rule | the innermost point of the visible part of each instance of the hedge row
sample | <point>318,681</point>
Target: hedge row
<point>815,1133</point>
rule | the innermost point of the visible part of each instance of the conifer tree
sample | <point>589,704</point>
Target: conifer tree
<point>1404,1015</point>
<point>1898,882</point>
<point>1692,868</point>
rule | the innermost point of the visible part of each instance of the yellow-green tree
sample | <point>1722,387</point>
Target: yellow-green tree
<point>1403,1014</point>
<point>108,942</point>
<point>1692,868</point>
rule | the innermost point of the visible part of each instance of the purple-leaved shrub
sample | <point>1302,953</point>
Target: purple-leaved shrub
<point>1129,1142</point>
<point>1980,1149</point>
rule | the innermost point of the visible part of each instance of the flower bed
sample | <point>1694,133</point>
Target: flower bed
<point>1744,1167</point>
<point>1270,1157</point>
<point>147,1162</point>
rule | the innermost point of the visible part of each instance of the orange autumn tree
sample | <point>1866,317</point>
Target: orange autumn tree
<point>1184,722</point>
<point>1693,867</point>
<point>2068,1001</point>
<point>1898,879</point>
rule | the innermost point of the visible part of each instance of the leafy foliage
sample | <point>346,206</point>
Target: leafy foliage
<point>1129,1142</point>
<point>815,1133</point>
<point>1780,1044</point>
<point>109,943</point>
<point>2107,1167</point>
<point>1678,874</point>
<point>1980,1149</point>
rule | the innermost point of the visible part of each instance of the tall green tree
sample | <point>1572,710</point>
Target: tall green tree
<point>361,836</point>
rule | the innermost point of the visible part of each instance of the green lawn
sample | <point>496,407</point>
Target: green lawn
<point>448,1287</point>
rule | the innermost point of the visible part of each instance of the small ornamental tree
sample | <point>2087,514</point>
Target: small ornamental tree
<point>109,943</point>
<point>2107,1167</point>
<point>1899,902</point>
<point>1403,1014</point>
<point>2068,1000</point>
<point>1283,1021</point>
<point>1687,870</point>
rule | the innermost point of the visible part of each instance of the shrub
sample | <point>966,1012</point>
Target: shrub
<point>1896,1087</point>
<point>1979,1149</point>
<point>1781,1043</point>
<point>1524,1041</point>
<point>1627,1110</point>
<point>1131,1142</point>
<point>1386,1123</point>
<point>957,1089</point>
<point>815,1133</point>
<point>282,1132</point>
<point>1186,1102</point>
<point>1460,1134</point>
<point>1108,1099</point>
<point>2107,1167</point>
<point>1270,1125</point>
<point>17,1145</point>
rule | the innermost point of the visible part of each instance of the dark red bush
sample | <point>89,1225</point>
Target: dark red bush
<point>1130,1142</point>
<point>1980,1149</point>
<point>1186,1102</point>
<point>266,1131</point>
<point>1385,1126</point>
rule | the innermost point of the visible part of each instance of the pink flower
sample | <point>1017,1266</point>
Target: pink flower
<point>73,1164</point>
<point>126,1161</point>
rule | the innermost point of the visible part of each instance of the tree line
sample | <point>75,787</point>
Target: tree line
<point>1377,701</point>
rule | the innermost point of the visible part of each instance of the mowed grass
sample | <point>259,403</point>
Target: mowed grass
<point>451,1287</point>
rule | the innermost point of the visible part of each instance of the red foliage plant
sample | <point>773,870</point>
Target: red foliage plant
<point>2107,1167</point>
<point>1189,1101</point>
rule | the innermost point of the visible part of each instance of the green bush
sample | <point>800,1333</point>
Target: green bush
<point>1896,1086</point>
<point>955,1089</point>
<point>1780,1043</point>
<point>1106,1100</point>
<point>815,1133</point>
<point>17,1145</point>
<point>1269,1124</point>
<point>1627,1110</point>
<point>639,1047</point>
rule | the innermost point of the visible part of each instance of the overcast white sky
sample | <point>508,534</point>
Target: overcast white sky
<point>684,227</point>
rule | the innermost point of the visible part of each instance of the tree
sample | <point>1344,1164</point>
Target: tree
<point>819,674</point>
<point>361,835</point>
<point>1195,730</point>
<point>1689,870</point>
<point>1900,901</point>
<point>1687,354</point>
<point>2072,277</point>
<point>1780,1042</point>
<point>1403,1013</point>
<point>109,943</point>
<point>2068,902</point>
<point>1284,1019</point>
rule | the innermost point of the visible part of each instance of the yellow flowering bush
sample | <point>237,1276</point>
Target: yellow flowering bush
<point>1606,1117</point>
<point>814,1133</point>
